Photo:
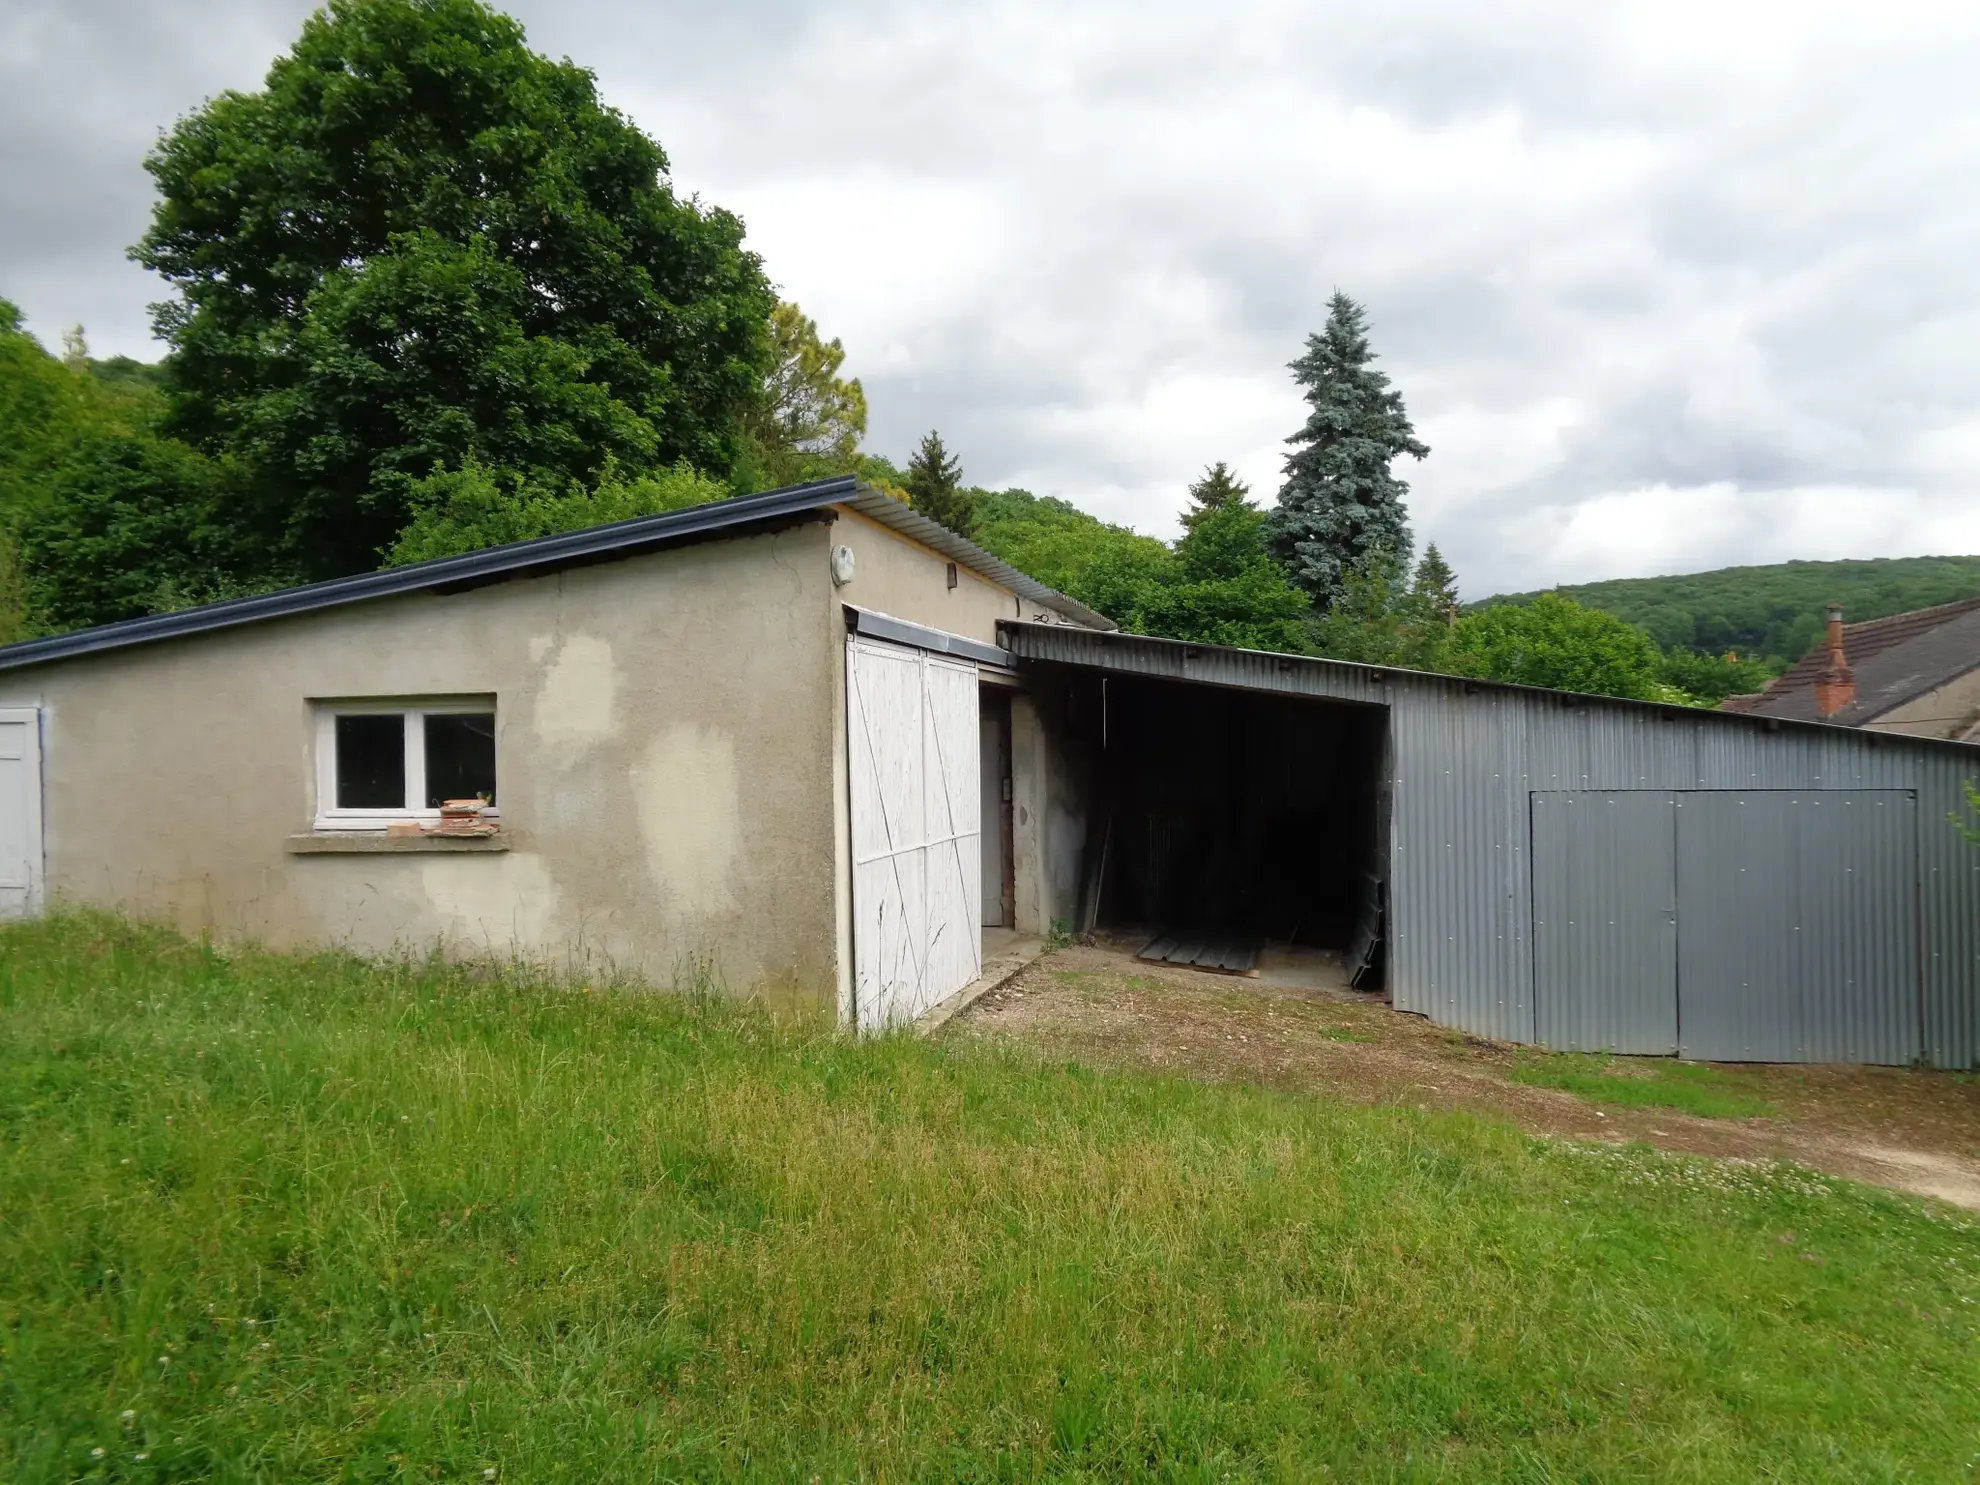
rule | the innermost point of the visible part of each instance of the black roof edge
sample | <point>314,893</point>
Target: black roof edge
<point>1014,631</point>
<point>544,554</point>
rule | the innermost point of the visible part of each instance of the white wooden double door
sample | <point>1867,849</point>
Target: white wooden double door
<point>917,824</point>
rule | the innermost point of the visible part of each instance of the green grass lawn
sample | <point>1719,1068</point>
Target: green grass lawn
<point>307,1219</point>
<point>1644,1083</point>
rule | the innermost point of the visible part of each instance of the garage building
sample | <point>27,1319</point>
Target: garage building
<point>815,745</point>
<point>742,740</point>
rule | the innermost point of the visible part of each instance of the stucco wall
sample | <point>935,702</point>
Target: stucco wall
<point>902,578</point>
<point>666,769</point>
<point>1944,711</point>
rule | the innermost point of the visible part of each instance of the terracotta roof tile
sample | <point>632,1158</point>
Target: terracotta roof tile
<point>1885,678</point>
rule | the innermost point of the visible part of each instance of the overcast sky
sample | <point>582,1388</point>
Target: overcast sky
<point>1666,287</point>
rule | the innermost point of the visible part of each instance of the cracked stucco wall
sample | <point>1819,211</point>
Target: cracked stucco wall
<point>665,766</point>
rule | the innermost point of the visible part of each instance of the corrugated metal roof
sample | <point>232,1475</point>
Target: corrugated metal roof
<point>1223,665</point>
<point>550,553</point>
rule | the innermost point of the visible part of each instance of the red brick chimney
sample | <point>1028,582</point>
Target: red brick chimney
<point>1835,688</point>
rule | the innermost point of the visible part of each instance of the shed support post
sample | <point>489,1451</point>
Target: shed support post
<point>1028,801</point>
<point>1048,820</point>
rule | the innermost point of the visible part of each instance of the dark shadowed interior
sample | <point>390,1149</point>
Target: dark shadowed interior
<point>1240,812</point>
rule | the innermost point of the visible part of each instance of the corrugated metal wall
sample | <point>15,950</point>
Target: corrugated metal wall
<point>1468,756</point>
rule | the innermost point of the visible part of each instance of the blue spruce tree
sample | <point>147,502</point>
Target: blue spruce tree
<point>1340,506</point>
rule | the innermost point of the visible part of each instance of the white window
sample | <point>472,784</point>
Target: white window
<point>383,760</point>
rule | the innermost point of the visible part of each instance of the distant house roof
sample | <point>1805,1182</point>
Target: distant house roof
<point>1896,659</point>
<point>735,517</point>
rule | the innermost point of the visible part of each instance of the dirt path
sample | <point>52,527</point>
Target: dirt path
<point>1913,1131</point>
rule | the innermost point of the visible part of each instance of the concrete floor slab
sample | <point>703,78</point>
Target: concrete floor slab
<point>1006,955</point>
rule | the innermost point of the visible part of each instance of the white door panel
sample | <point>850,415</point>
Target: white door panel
<point>890,898</point>
<point>20,812</point>
<point>955,829</point>
<point>916,823</point>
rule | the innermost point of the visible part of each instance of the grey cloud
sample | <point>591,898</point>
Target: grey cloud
<point>1606,250</point>
<point>85,89</point>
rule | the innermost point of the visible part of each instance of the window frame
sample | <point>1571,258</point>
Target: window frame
<point>415,710</point>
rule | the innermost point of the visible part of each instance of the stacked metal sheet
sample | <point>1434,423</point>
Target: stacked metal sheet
<point>1227,955</point>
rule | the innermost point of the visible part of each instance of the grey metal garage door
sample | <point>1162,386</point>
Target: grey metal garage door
<point>1798,926</point>
<point>1761,926</point>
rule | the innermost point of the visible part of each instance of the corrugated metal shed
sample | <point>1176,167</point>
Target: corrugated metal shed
<point>1469,756</point>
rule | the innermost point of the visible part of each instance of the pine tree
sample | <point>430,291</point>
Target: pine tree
<point>1217,489</point>
<point>1435,586</point>
<point>807,422</point>
<point>934,480</point>
<point>1339,503</point>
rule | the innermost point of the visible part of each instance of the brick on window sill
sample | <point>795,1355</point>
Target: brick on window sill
<point>375,843</point>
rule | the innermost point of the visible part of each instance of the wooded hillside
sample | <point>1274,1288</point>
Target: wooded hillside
<point>1773,614</point>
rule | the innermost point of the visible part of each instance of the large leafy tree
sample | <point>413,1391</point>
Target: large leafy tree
<point>101,517</point>
<point>467,509</point>
<point>1228,590</point>
<point>1217,585</point>
<point>422,244</point>
<point>1554,641</point>
<point>1340,501</point>
<point>1107,567</point>
<point>44,404</point>
<point>134,524</point>
<point>1710,679</point>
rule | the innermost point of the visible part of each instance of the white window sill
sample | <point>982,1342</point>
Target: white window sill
<point>369,843</point>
